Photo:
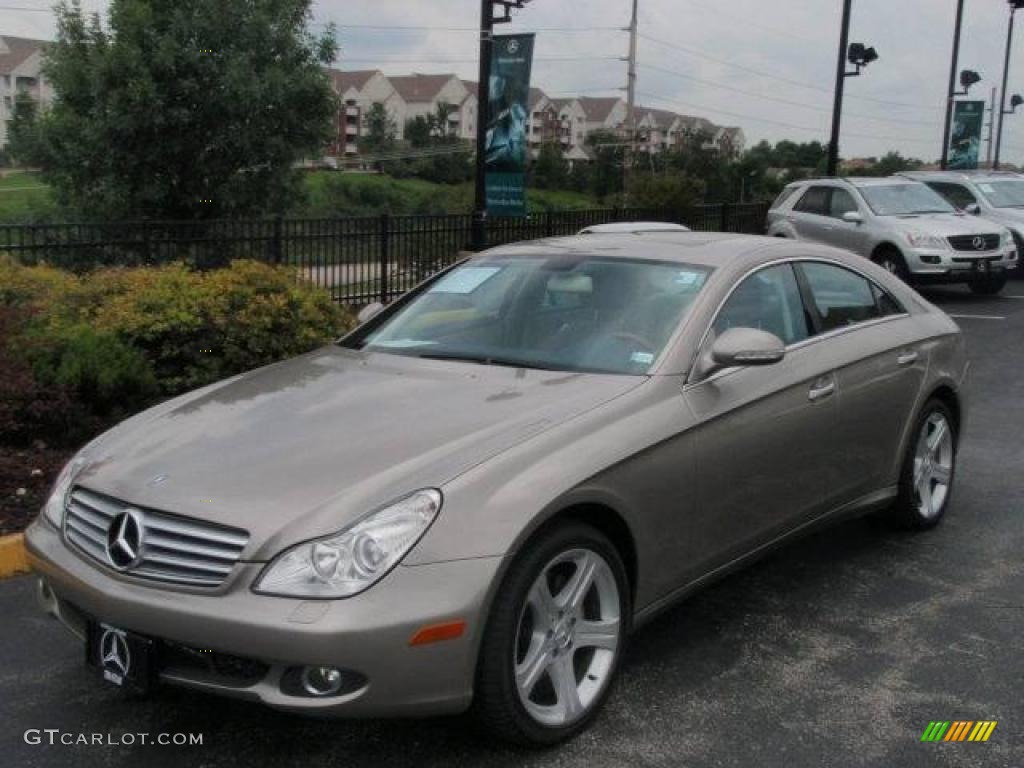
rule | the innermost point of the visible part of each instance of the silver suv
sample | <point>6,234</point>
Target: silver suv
<point>899,224</point>
<point>995,195</point>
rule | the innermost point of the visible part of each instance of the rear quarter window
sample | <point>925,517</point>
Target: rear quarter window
<point>785,195</point>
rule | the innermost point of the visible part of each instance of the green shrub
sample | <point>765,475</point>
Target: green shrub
<point>88,350</point>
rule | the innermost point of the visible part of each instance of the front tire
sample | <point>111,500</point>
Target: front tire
<point>988,286</point>
<point>929,469</point>
<point>892,261</point>
<point>554,639</point>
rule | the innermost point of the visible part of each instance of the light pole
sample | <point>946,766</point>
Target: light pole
<point>1014,6</point>
<point>491,12</point>
<point>951,92</point>
<point>860,56</point>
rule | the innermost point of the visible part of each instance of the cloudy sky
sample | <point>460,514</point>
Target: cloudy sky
<point>766,65</point>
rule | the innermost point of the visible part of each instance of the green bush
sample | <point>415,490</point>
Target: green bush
<point>110,342</point>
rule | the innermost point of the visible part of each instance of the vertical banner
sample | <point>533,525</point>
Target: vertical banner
<point>507,117</point>
<point>965,142</point>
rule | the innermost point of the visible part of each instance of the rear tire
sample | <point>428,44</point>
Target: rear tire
<point>988,286</point>
<point>891,260</point>
<point>552,644</point>
<point>929,470</point>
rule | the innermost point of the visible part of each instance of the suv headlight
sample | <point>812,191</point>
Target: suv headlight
<point>924,240</point>
<point>1005,239</point>
<point>354,559</point>
<point>53,509</point>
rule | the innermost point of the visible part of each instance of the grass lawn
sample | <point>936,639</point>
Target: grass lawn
<point>331,193</point>
<point>24,198</point>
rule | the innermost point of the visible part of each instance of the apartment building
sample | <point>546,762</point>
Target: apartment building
<point>21,62</point>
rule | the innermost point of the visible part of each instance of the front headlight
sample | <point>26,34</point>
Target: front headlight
<point>924,240</point>
<point>355,559</point>
<point>53,509</point>
<point>1005,239</point>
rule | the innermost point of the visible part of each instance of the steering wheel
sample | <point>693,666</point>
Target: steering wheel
<point>645,343</point>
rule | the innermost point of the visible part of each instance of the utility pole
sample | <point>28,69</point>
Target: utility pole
<point>952,84</point>
<point>1014,5</point>
<point>634,30</point>
<point>991,127</point>
<point>837,108</point>
<point>479,233</point>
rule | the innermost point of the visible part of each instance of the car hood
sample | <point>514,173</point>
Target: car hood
<point>306,447</point>
<point>945,224</point>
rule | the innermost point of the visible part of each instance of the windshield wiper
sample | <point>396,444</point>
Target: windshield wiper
<point>505,362</point>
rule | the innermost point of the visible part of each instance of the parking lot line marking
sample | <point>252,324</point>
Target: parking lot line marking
<point>977,317</point>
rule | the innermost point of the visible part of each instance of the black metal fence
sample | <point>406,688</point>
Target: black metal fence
<point>358,260</point>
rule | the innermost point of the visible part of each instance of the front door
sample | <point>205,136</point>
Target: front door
<point>766,444</point>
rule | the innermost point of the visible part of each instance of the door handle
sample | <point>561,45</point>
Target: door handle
<point>822,388</point>
<point>907,358</point>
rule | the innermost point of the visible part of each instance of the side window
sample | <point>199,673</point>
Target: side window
<point>887,305</point>
<point>955,194</point>
<point>770,301</point>
<point>815,200</point>
<point>841,297</point>
<point>842,202</point>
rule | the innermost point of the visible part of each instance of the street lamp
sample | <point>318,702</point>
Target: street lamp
<point>491,12</point>
<point>1015,5</point>
<point>858,54</point>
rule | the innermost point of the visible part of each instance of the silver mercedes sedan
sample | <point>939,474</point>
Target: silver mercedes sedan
<point>470,502</point>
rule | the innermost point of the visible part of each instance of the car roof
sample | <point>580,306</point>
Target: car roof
<point>712,249</point>
<point>976,175</point>
<point>858,181</point>
<point>633,227</point>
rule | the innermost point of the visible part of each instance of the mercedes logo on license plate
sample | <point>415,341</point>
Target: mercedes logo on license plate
<point>115,658</point>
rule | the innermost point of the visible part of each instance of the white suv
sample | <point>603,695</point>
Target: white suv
<point>900,224</point>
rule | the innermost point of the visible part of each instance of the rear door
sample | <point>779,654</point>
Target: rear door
<point>765,443</point>
<point>879,368</point>
<point>848,235</point>
<point>810,213</point>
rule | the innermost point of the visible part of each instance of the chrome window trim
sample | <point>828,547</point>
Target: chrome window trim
<point>791,260</point>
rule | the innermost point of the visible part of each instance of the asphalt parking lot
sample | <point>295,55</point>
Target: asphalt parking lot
<point>836,651</point>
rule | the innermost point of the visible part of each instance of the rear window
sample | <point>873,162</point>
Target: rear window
<point>785,195</point>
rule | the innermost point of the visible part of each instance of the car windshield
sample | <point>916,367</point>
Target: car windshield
<point>569,313</point>
<point>904,200</point>
<point>1006,193</point>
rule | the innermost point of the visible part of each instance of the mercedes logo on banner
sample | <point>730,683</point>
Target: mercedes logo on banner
<point>124,540</point>
<point>513,46</point>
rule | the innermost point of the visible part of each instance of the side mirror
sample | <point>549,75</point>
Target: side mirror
<point>370,311</point>
<point>974,209</point>
<point>853,217</point>
<point>743,347</point>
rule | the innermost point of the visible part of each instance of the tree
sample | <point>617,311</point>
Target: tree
<point>674,192</point>
<point>381,131</point>
<point>24,143</point>
<point>188,110</point>
<point>550,170</point>
<point>419,130</point>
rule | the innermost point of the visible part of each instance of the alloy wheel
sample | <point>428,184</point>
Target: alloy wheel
<point>567,638</point>
<point>933,466</point>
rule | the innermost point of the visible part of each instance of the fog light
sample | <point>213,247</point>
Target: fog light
<point>321,681</point>
<point>931,259</point>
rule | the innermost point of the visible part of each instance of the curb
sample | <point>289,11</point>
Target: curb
<point>12,555</point>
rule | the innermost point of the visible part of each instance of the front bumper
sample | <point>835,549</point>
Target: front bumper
<point>368,633</point>
<point>939,263</point>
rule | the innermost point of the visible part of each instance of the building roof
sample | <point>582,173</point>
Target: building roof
<point>420,88</point>
<point>473,87</point>
<point>536,96</point>
<point>599,108</point>
<point>354,79</point>
<point>15,50</point>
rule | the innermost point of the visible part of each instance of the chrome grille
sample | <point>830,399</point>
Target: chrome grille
<point>173,549</point>
<point>970,242</point>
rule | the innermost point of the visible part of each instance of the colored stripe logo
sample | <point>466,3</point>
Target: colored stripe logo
<point>958,730</point>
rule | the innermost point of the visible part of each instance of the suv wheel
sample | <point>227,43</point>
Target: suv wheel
<point>989,285</point>
<point>892,261</point>
<point>554,639</point>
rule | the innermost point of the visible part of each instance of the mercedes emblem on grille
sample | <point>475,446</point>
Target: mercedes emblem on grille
<point>124,540</point>
<point>979,243</point>
<point>114,654</point>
